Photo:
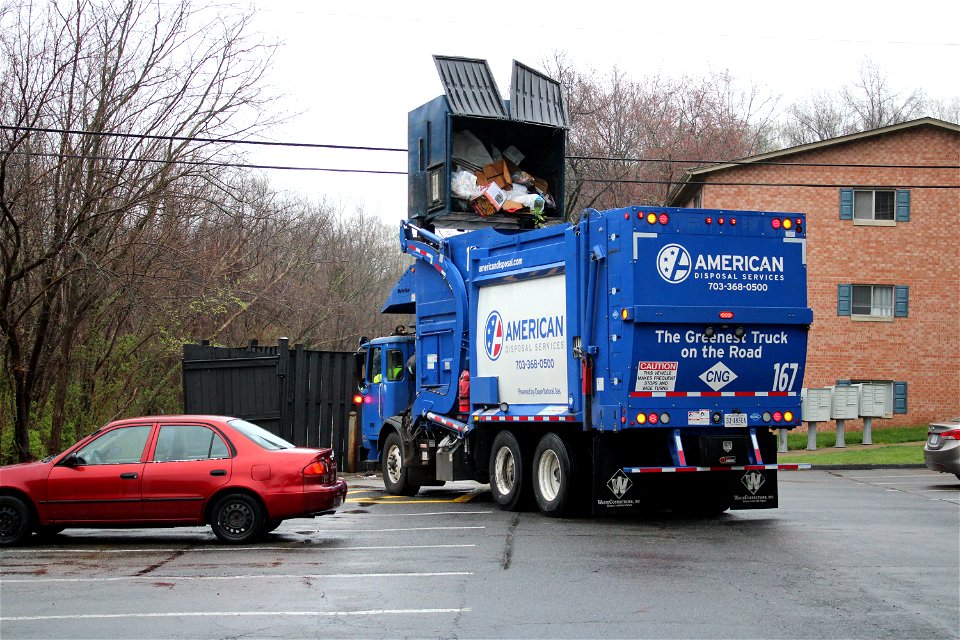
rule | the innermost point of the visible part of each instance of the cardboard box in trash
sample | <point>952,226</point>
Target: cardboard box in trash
<point>496,173</point>
<point>489,201</point>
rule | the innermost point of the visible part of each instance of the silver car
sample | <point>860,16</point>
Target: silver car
<point>942,450</point>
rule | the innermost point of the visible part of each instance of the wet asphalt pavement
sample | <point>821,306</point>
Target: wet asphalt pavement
<point>849,554</point>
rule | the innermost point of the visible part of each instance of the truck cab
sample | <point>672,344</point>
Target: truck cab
<point>387,386</point>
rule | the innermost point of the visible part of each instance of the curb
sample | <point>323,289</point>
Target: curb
<point>861,467</point>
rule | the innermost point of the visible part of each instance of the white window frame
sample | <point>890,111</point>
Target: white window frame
<point>872,219</point>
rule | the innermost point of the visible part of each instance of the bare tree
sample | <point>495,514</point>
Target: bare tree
<point>631,139</point>
<point>79,207</point>
<point>869,103</point>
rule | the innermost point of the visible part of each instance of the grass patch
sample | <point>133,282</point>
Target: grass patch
<point>887,435</point>
<point>910,453</point>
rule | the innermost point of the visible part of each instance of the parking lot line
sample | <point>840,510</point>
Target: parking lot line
<point>394,530</point>
<point>244,550</point>
<point>214,614</point>
<point>258,577</point>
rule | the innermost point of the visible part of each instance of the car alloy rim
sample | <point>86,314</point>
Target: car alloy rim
<point>236,518</point>
<point>9,521</point>
<point>504,471</point>
<point>394,464</point>
<point>548,475</point>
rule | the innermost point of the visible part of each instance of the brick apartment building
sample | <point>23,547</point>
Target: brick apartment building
<point>883,254</point>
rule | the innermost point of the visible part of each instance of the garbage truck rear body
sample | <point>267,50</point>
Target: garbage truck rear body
<point>642,358</point>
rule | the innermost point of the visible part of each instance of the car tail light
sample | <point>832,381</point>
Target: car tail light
<point>653,418</point>
<point>321,470</point>
<point>358,398</point>
<point>777,416</point>
<point>775,223</point>
<point>663,218</point>
<point>953,434</point>
<point>317,468</point>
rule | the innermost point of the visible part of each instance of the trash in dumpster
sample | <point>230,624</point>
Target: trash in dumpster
<point>489,201</point>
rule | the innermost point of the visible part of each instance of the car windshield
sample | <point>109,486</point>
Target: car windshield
<point>260,436</point>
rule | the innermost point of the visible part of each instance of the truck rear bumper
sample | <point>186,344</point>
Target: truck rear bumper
<point>747,467</point>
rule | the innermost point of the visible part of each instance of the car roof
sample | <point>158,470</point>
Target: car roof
<point>173,417</point>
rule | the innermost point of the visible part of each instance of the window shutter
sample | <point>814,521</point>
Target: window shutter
<point>903,206</point>
<point>901,301</point>
<point>899,397</point>
<point>846,204</point>
<point>844,293</point>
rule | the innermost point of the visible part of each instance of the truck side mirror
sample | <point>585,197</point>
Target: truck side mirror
<point>360,360</point>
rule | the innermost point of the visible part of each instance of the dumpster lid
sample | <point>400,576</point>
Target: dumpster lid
<point>537,98</point>
<point>470,88</point>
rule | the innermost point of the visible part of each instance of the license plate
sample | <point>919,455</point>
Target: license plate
<point>735,420</point>
<point>934,439</point>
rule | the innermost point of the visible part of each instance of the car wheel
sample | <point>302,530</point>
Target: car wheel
<point>508,473</point>
<point>15,519</point>
<point>396,476</point>
<point>236,518</point>
<point>553,476</point>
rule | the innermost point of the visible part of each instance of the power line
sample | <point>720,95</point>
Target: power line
<point>313,145</point>
<point>200,163</point>
<point>146,136</point>
<point>239,165</point>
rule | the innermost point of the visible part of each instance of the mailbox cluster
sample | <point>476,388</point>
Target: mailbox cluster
<point>867,400</point>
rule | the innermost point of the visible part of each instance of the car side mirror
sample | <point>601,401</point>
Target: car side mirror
<point>72,460</point>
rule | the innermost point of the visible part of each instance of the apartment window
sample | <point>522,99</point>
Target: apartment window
<point>873,205</point>
<point>872,300</point>
<point>882,207</point>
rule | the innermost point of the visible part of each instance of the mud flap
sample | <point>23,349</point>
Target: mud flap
<point>753,489</point>
<point>618,492</point>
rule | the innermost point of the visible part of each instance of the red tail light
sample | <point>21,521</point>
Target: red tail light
<point>953,434</point>
<point>664,218</point>
<point>317,468</point>
<point>358,398</point>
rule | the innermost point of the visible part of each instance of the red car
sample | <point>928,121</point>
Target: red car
<point>171,471</point>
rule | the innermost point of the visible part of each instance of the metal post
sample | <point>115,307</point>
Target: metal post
<point>868,431</point>
<point>811,436</point>
<point>782,448</point>
<point>352,442</point>
<point>841,443</point>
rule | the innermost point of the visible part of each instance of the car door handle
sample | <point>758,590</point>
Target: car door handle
<point>218,472</point>
<point>128,476</point>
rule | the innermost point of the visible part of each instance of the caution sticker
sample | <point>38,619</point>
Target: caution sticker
<point>656,376</point>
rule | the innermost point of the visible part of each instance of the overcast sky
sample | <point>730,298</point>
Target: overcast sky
<point>352,71</point>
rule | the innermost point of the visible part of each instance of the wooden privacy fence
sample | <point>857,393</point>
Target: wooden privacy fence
<point>303,396</point>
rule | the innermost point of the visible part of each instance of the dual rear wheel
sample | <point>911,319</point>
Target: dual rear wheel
<point>549,477</point>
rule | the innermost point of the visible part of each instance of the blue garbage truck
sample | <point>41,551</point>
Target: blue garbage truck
<point>640,358</point>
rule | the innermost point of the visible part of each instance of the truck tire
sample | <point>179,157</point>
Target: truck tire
<point>396,476</point>
<point>509,473</point>
<point>553,476</point>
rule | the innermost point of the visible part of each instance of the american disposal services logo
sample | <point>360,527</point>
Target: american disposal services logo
<point>674,263</point>
<point>493,335</point>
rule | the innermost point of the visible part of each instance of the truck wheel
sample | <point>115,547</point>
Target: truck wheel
<point>396,476</point>
<point>508,473</point>
<point>553,481</point>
